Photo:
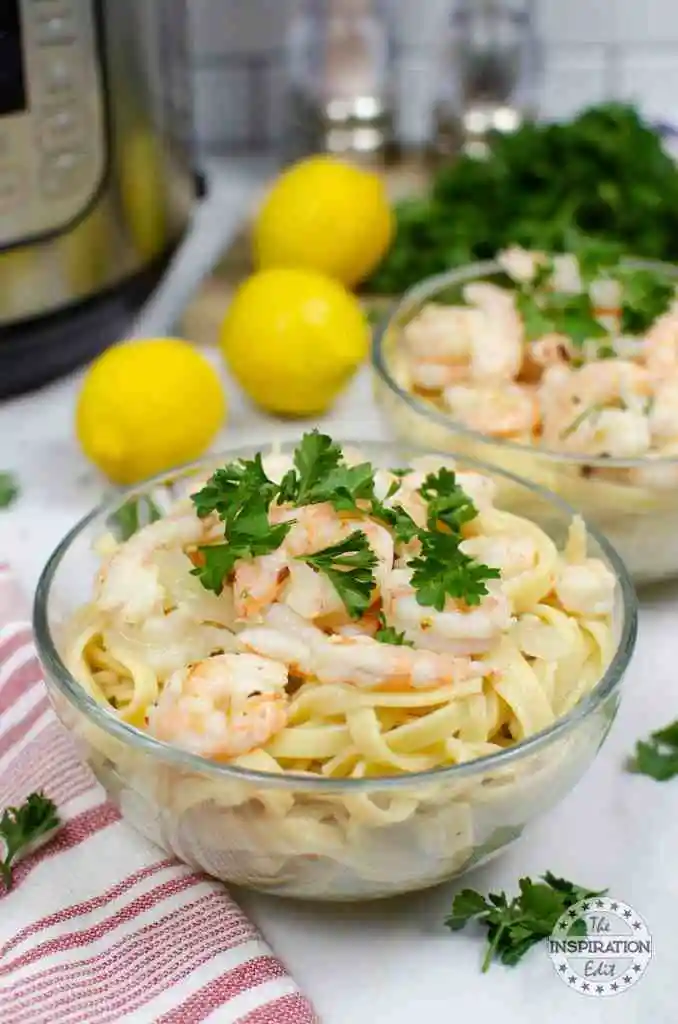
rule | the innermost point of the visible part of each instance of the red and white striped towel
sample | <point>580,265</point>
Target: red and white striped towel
<point>99,925</point>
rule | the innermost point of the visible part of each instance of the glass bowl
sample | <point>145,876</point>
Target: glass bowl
<point>634,502</point>
<point>311,837</point>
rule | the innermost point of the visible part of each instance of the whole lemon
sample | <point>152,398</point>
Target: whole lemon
<point>148,405</point>
<point>326,215</point>
<point>293,339</point>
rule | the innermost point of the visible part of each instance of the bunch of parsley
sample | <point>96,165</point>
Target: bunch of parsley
<point>605,173</point>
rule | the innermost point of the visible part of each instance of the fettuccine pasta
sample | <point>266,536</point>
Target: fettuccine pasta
<point>340,647</point>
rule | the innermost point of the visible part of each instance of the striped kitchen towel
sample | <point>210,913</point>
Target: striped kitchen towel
<point>99,925</point>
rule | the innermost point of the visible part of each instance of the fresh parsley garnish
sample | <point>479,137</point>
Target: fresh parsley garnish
<point>447,502</point>
<point>132,515</point>
<point>241,495</point>
<point>400,521</point>
<point>646,295</point>
<point>230,487</point>
<point>9,489</point>
<point>621,190</point>
<point>388,635</point>
<point>515,925</point>
<point>22,828</point>
<point>550,312</point>
<point>248,535</point>
<point>658,755</point>
<point>349,567</point>
<point>442,570</point>
<point>314,460</point>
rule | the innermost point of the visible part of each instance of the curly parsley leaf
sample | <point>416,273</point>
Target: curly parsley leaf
<point>658,755</point>
<point>229,487</point>
<point>215,564</point>
<point>249,534</point>
<point>23,828</point>
<point>388,635</point>
<point>442,570</point>
<point>345,486</point>
<point>315,457</point>
<point>558,313</point>
<point>349,566</point>
<point>515,925</point>
<point>646,295</point>
<point>401,522</point>
<point>447,502</point>
<point>9,489</point>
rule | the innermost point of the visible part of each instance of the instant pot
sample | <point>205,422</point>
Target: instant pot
<point>96,176</point>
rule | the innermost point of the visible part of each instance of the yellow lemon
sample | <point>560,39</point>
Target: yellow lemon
<point>293,339</point>
<point>326,215</point>
<point>148,405</point>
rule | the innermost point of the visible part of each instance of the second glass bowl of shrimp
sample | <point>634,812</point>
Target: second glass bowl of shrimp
<point>303,834</point>
<point>613,455</point>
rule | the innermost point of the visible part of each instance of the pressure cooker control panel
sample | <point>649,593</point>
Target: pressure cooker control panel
<point>52,117</point>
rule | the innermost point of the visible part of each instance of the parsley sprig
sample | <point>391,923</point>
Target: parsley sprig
<point>658,755</point>
<point>241,495</point>
<point>515,925</point>
<point>349,567</point>
<point>388,635</point>
<point>23,828</point>
<point>248,535</point>
<point>558,313</point>
<point>447,502</point>
<point>442,570</point>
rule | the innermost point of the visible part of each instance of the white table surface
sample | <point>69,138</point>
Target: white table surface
<point>388,962</point>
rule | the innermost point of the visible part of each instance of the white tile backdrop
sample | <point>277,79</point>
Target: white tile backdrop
<point>592,49</point>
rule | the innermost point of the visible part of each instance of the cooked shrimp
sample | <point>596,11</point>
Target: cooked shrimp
<point>364,662</point>
<point>128,583</point>
<point>586,588</point>
<point>314,527</point>
<point>480,489</point>
<point>520,264</point>
<point>513,554</point>
<point>661,343</point>
<point>256,583</point>
<point>508,411</point>
<point>459,629</point>
<point>550,350</point>
<point>566,277</point>
<point>310,593</point>
<point>610,380</point>
<point>599,408</point>
<point>280,575</point>
<point>222,707</point>
<point>356,659</point>
<point>663,411</point>
<point>440,341</point>
<point>497,349</point>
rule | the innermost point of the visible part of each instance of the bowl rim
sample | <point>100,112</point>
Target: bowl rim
<point>73,691</point>
<point>425,291</point>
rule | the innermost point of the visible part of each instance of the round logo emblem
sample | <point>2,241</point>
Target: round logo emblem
<point>600,947</point>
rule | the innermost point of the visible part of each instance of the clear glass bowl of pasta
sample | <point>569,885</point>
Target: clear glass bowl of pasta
<point>295,834</point>
<point>633,501</point>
